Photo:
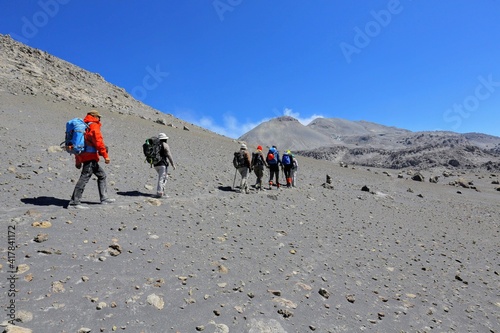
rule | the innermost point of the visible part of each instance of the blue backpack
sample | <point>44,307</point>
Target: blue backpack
<point>74,142</point>
<point>272,157</point>
<point>286,160</point>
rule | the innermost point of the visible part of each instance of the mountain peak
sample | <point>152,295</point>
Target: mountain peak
<point>286,118</point>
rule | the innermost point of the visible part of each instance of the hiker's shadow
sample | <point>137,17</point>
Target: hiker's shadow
<point>227,188</point>
<point>135,194</point>
<point>45,201</point>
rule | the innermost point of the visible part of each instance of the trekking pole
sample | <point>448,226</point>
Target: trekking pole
<point>234,180</point>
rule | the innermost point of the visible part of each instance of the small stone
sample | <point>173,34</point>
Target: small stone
<point>22,268</point>
<point>43,225</point>
<point>223,269</point>
<point>350,298</point>
<point>41,238</point>
<point>156,301</point>
<point>84,330</point>
<point>24,316</point>
<point>323,292</point>
<point>101,305</point>
<point>275,292</point>
<point>115,250</point>
<point>58,287</point>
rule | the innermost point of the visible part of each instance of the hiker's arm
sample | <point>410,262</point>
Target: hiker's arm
<point>99,144</point>
<point>169,155</point>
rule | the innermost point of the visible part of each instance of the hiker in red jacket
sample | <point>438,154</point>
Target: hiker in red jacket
<point>88,161</point>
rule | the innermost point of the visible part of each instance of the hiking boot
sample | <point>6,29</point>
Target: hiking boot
<point>77,206</point>
<point>107,201</point>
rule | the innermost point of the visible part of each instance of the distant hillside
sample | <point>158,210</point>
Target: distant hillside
<point>370,144</point>
<point>286,133</point>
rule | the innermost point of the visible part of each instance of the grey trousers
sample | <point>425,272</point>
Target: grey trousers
<point>244,178</point>
<point>88,169</point>
<point>162,179</point>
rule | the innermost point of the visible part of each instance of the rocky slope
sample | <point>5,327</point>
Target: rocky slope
<point>28,71</point>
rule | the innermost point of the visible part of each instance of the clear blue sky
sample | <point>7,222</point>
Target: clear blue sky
<point>228,65</point>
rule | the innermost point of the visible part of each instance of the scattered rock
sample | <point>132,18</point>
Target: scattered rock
<point>9,328</point>
<point>365,189</point>
<point>84,330</point>
<point>24,316</point>
<point>41,238</point>
<point>115,250</point>
<point>434,179</point>
<point>285,302</point>
<point>350,298</point>
<point>418,177</point>
<point>101,305</point>
<point>43,224</point>
<point>323,292</point>
<point>58,287</point>
<point>156,301</point>
<point>274,292</point>
<point>22,268</point>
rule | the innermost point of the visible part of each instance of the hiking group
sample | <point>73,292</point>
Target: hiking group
<point>246,163</point>
<point>84,139</point>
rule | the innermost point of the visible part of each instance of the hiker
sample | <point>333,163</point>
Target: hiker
<point>242,164</point>
<point>295,168</point>
<point>88,161</point>
<point>162,166</point>
<point>258,164</point>
<point>274,162</point>
<point>287,161</point>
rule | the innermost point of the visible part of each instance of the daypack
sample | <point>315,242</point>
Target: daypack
<point>286,160</point>
<point>239,159</point>
<point>152,150</point>
<point>257,159</point>
<point>271,158</point>
<point>74,142</point>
